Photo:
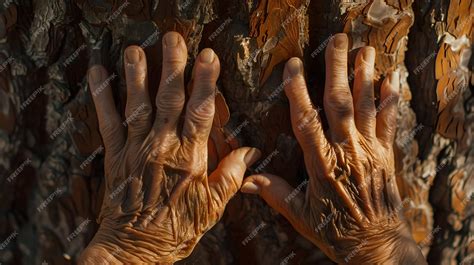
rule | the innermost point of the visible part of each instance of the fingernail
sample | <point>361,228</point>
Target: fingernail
<point>394,79</point>
<point>132,55</point>
<point>295,67</point>
<point>252,156</point>
<point>95,74</point>
<point>171,40</point>
<point>250,187</point>
<point>368,55</point>
<point>340,41</point>
<point>207,56</point>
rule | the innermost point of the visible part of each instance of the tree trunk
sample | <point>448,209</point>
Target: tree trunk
<point>51,155</point>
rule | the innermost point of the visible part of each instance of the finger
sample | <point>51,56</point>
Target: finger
<point>170,97</point>
<point>226,180</point>
<point>337,95</point>
<point>201,105</point>
<point>305,118</point>
<point>279,195</point>
<point>364,92</point>
<point>113,133</point>
<point>388,109</point>
<point>138,110</point>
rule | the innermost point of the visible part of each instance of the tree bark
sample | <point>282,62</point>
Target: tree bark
<point>51,155</point>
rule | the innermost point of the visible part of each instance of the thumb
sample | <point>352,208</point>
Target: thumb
<point>226,180</point>
<point>279,195</point>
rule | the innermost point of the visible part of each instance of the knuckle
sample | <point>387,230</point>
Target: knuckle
<point>296,91</point>
<point>173,61</point>
<point>204,90</point>
<point>364,69</point>
<point>107,129</point>
<point>172,73</point>
<point>138,115</point>
<point>366,107</point>
<point>205,73</point>
<point>338,62</point>
<point>205,86</point>
<point>391,114</point>
<point>170,99</point>
<point>307,120</point>
<point>201,111</point>
<point>339,101</point>
<point>136,80</point>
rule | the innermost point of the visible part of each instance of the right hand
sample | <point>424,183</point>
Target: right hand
<point>351,209</point>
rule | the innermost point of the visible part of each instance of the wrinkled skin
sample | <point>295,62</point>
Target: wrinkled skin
<point>351,209</point>
<point>159,199</point>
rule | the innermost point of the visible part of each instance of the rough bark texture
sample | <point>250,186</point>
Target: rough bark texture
<point>51,158</point>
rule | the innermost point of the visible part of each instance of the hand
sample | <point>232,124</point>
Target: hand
<point>159,199</point>
<point>351,209</point>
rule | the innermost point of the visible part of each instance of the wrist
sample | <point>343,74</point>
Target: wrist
<point>107,248</point>
<point>96,254</point>
<point>393,245</point>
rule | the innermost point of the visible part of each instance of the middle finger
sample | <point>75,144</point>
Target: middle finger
<point>201,106</point>
<point>337,95</point>
<point>170,97</point>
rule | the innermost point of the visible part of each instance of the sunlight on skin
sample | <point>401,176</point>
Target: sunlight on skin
<point>159,199</point>
<point>351,209</point>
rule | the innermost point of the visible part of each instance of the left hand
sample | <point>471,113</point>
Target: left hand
<point>159,199</point>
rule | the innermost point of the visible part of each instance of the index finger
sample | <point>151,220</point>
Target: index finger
<point>305,118</point>
<point>110,125</point>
